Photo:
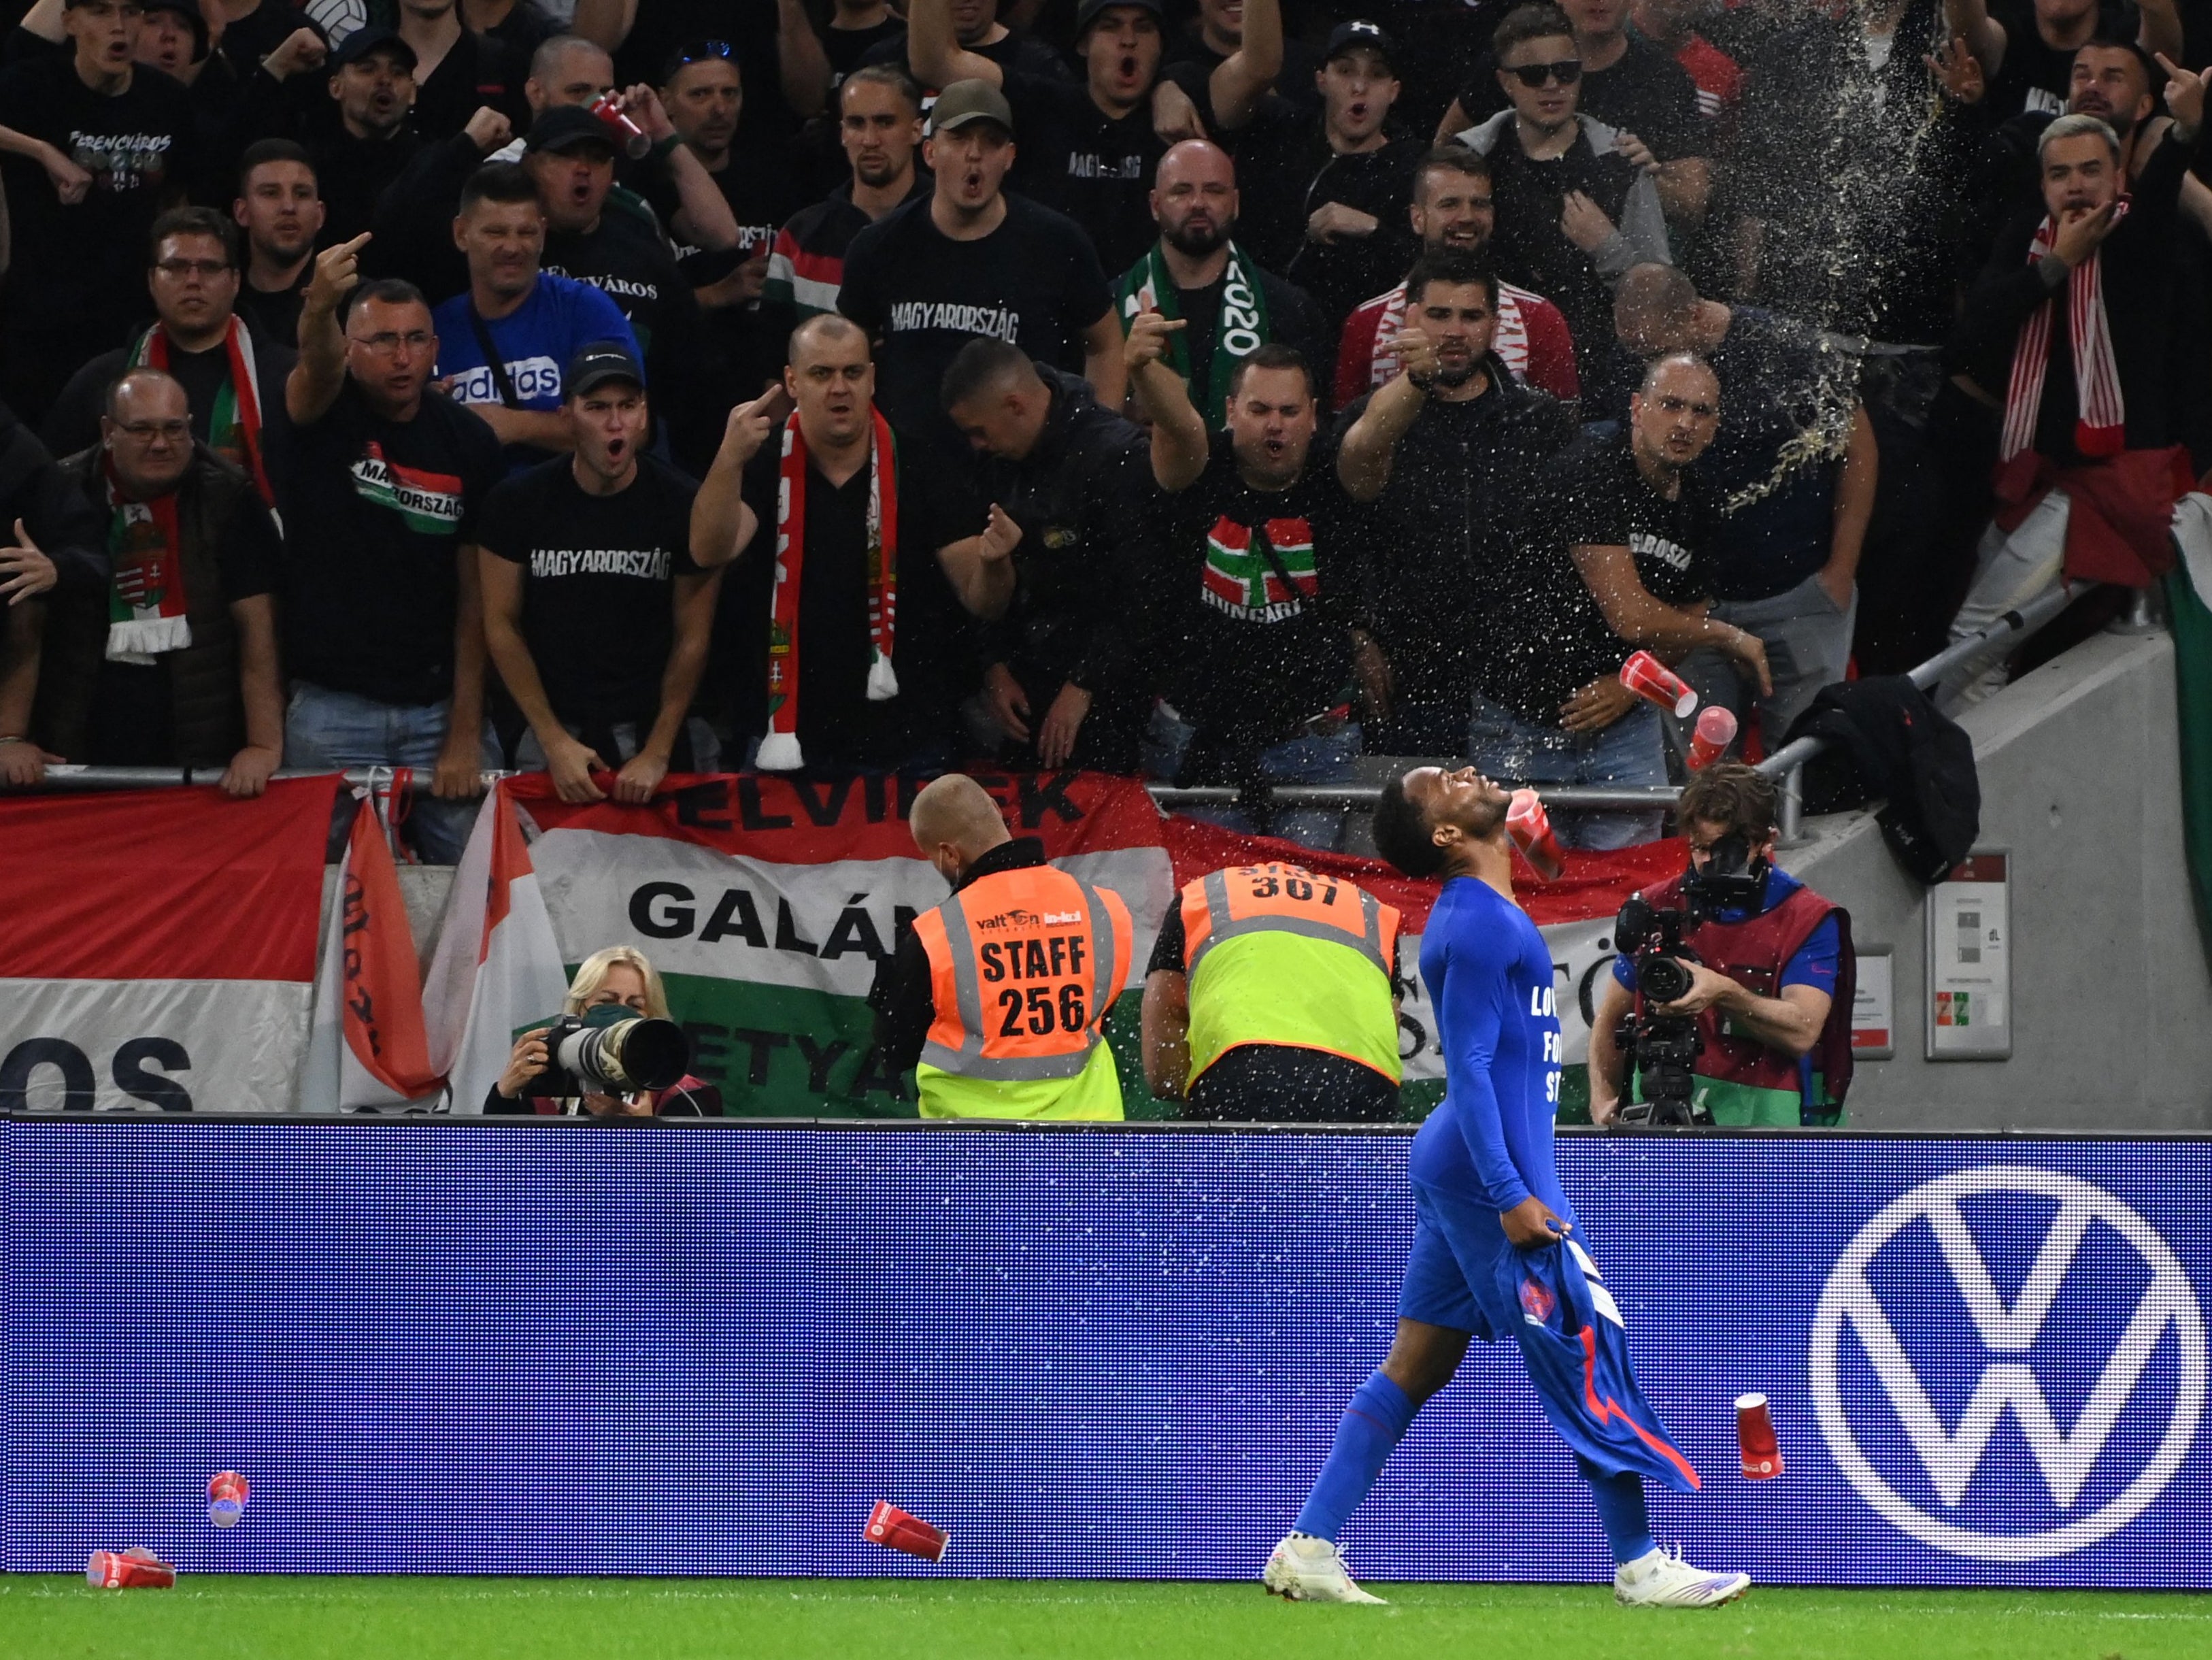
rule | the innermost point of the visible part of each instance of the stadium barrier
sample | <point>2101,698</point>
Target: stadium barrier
<point>551,1348</point>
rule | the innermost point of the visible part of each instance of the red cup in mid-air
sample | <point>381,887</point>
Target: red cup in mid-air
<point>899,1529</point>
<point>1716,729</point>
<point>1652,680</point>
<point>1754,1438</point>
<point>1530,828</point>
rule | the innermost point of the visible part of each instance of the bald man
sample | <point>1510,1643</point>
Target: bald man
<point>846,666</point>
<point>1196,274</point>
<point>996,997</point>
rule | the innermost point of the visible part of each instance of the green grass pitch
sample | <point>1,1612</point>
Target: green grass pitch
<point>214,1617</point>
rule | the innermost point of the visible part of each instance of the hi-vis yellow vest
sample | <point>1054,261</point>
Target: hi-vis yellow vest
<point>1024,966</point>
<point>1278,955</point>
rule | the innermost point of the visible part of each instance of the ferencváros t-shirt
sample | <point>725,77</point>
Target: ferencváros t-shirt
<point>599,575</point>
<point>1034,281</point>
<point>376,513</point>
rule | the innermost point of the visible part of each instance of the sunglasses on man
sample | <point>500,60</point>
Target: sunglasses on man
<point>1566,72</point>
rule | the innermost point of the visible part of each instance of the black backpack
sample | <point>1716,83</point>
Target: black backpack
<point>1886,740</point>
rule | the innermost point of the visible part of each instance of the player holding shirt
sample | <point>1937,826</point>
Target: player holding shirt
<point>1493,1254</point>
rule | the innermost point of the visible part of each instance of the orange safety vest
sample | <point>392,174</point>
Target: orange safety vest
<point>1024,966</point>
<point>1289,899</point>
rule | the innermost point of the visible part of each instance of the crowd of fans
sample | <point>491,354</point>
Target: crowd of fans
<point>1060,382</point>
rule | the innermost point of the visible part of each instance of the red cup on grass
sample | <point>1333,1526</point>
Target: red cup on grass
<point>1652,680</point>
<point>898,1530</point>
<point>136,1569</point>
<point>1754,1438</point>
<point>1530,828</point>
<point>1716,729</point>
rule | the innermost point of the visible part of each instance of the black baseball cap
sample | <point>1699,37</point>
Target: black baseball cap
<point>361,42</point>
<point>964,101</point>
<point>1087,13</point>
<point>599,362</point>
<point>569,127</point>
<point>190,11</point>
<point>1356,33</point>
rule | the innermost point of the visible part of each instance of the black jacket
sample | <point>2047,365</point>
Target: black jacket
<point>1085,499</point>
<point>904,1003</point>
<point>1288,171</point>
<point>34,489</point>
<point>1890,741</point>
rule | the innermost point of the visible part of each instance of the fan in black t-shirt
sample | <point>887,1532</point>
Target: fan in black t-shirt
<point>1090,150</point>
<point>970,260</point>
<point>2030,72</point>
<point>1613,557</point>
<point>597,617</point>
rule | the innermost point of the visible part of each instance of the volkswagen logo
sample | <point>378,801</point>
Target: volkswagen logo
<point>2004,1333</point>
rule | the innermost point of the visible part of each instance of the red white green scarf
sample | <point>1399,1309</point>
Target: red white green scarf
<point>2100,427</point>
<point>146,597</point>
<point>779,749</point>
<point>235,423</point>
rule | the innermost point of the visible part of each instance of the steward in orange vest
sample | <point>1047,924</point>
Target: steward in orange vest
<point>996,997</point>
<point>1270,998</point>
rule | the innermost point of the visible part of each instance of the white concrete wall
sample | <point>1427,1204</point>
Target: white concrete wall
<point>2081,782</point>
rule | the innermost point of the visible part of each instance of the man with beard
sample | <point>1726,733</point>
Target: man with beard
<point>1453,211</point>
<point>1612,555</point>
<point>174,664</point>
<point>280,208</point>
<point>1327,193</point>
<point>1446,449</point>
<point>1257,586</point>
<point>879,126</point>
<point>972,261</point>
<point>1574,211</point>
<point>2026,47</point>
<point>1089,150</point>
<point>1196,274</point>
<point>359,140</point>
<point>597,611</point>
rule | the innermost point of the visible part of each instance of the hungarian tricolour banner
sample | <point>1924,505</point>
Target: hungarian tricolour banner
<point>157,947</point>
<point>767,904</point>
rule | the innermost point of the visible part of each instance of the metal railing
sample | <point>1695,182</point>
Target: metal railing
<point>1786,764</point>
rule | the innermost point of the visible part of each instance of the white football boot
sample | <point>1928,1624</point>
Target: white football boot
<point>1305,1569</point>
<point>1661,1581</point>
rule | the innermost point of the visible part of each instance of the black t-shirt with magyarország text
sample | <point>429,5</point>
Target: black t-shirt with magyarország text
<point>597,582</point>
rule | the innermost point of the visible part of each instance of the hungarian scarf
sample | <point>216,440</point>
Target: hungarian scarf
<point>146,596</point>
<point>233,426</point>
<point>2100,424</point>
<point>779,749</point>
<point>1240,325</point>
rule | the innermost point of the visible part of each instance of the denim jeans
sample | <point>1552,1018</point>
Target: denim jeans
<point>1314,758</point>
<point>333,730</point>
<point>1809,646</point>
<point>1626,755</point>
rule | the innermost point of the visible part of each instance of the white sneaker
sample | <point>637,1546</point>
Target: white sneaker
<point>1305,1569</point>
<point>1661,1581</point>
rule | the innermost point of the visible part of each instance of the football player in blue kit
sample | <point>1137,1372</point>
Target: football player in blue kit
<point>1495,1253</point>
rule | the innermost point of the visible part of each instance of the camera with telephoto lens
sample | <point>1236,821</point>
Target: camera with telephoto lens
<point>611,1051</point>
<point>1663,1047</point>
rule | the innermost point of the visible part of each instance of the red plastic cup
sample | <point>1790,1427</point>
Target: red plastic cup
<point>1650,678</point>
<point>136,1569</point>
<point>891,1526</point>
<point>628,137</point>
<point>1715,731</point>
<point>1530,828</point>
<point>1754,1438</point>
<point>227,1495</point>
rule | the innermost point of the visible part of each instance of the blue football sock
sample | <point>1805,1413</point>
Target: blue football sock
<point>1371,1426</point>
<point>1620,1509</point>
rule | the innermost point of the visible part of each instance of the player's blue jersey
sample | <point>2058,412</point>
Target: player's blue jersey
<point>1490,978</point>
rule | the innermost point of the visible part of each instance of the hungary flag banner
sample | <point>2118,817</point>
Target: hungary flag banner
<point>161,946</point>
<point>767,905</point>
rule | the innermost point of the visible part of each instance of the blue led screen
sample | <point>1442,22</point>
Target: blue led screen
<point>467,1348</point>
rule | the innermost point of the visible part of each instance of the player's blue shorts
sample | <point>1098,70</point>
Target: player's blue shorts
<point>1463,1274</point>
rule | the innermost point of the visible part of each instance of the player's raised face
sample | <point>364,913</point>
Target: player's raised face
<point>1460,799</point>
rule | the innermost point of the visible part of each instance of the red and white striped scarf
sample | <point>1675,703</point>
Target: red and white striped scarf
<point>779,749</point>
<point>234,423</point>
<point>2100,425</point>
<point>1509,339</point>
